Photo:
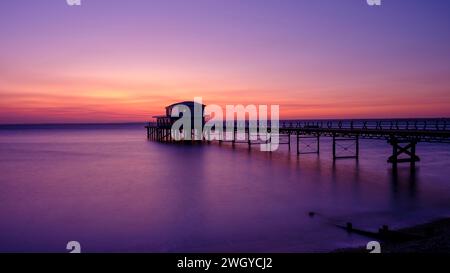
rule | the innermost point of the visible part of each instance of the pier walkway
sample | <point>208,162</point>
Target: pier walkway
<point>402,134</point>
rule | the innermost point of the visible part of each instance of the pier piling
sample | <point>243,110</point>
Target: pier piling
<point>345,136</point>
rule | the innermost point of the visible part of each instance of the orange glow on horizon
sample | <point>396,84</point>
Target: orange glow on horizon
<point>137,59</point>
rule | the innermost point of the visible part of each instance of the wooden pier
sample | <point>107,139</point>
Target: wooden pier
<point>402,134</point>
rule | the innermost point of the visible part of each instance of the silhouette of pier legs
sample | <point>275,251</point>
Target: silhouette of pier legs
<point>408,149</point>
<point>345,138</point>
<point>347,146</point>
<point>309,144</point>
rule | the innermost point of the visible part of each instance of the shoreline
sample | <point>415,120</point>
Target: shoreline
<point>432,237</point>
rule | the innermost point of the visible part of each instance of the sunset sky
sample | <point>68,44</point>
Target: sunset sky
<point>124,60</point>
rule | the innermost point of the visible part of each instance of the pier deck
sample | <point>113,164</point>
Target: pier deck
<point>402,134</point>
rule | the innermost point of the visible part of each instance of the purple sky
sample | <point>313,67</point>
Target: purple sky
<point>116,60</point>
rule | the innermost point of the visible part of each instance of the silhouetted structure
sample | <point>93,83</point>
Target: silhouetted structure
<point>166,121</point>
<point>402,134</point>
<point>161,131</point>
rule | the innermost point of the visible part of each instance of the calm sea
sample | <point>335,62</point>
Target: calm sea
<point>110,189</point>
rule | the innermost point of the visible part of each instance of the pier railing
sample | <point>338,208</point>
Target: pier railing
<point>442,124</point>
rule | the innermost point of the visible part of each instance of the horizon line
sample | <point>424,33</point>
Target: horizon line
<point>145,122</point>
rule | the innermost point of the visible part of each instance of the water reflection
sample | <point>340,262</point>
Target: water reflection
<point>404,183</point>
<point>115,191</point>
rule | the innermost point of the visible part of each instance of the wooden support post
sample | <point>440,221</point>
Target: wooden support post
<point>357,146</point>
<point>334,146</point>
<point>394,157</point>
<point>289,139</point>
<point>298,142</point>
<point>318,144</point>
<point>394,154</point>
